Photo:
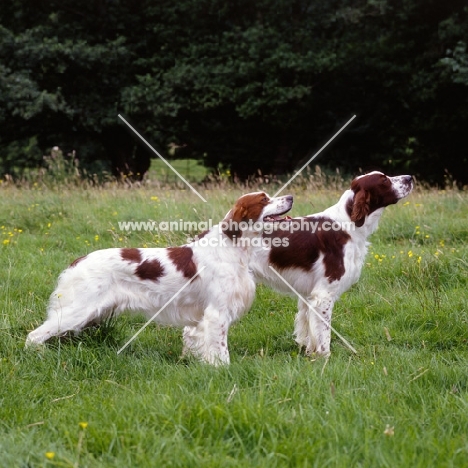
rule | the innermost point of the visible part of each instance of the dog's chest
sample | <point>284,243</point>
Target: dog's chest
<point>354,256</point>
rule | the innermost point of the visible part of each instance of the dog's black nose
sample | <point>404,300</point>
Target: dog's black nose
<point>290,198</point>
<point>409,178</point>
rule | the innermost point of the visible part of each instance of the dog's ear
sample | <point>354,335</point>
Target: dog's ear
<point>248,208</point>
<point>231,222</point>
<point>361,207</point>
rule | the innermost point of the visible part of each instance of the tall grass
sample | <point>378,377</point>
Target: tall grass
<point>402,401</point>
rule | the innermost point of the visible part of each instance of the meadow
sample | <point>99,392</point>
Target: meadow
<point>401,401</point>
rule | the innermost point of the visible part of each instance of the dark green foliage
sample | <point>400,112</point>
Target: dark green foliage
<point>243,85</point>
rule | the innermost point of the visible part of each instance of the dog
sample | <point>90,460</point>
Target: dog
<point>213,271</point>
<point>325,252</point>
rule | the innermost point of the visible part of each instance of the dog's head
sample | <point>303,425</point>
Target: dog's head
<point>374,191</point>
<point>252,209</point>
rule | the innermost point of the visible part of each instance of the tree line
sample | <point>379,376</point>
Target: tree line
<point>253,87</point>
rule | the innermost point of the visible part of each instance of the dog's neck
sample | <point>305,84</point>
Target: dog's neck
<point>341,211</point>
<point>217,238</point>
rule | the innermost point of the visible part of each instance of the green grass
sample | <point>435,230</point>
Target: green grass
<point>401,402</point>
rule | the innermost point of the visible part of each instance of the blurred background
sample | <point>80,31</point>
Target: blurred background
<point>235,87</point>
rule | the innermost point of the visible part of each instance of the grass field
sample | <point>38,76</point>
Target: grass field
<point>401,402</point>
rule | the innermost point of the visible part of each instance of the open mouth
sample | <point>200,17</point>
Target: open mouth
<point>276,218</point>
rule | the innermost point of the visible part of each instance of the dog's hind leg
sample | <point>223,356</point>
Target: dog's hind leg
<point>58,324</point>
<point>67,316</point>
<point>313,324</point>
<point>75,304</point>
<point>55,325</point>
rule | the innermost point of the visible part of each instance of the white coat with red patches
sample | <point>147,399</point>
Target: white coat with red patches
<point>324,260</point>
<point>221,288</point>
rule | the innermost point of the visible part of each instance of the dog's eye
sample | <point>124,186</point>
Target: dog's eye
<point>265,200</point>
<point>385,180</point>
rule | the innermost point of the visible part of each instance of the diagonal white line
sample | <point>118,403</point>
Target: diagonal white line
<point>314,156</point>
<point>161,158</point>
<point>346,342</point>
<point>160,310</point>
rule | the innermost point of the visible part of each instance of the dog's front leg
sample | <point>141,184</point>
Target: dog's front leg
<point>208,339</point>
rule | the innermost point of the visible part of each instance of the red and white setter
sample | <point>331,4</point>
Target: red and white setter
<point>108,282</point>
<point>323,258</point>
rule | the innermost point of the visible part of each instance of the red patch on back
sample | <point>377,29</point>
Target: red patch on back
<point>182,258</point>
<point>305,247</point>
<point>150,270</point>
<point>131,255</point>
<point>78,260</point>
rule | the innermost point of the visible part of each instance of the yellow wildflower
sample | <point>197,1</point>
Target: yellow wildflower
<point>83,425</point>
<point>50,455</point>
